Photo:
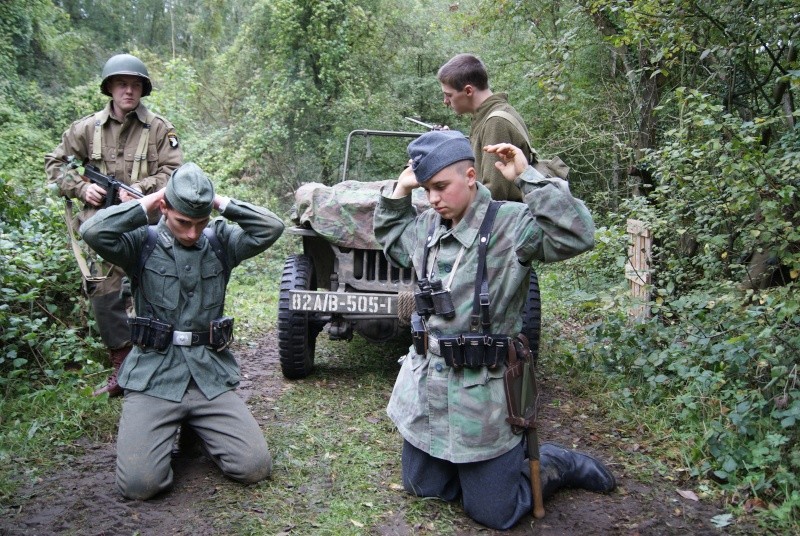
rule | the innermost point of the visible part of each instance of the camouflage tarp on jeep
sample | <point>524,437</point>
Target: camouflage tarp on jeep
<point>342,214</point>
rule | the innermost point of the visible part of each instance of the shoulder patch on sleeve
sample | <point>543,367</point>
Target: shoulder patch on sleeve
<point>172,136</point>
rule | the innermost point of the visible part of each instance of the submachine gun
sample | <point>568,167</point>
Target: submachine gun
<point>108,183</point>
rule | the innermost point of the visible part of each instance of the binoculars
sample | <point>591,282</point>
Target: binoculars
<point>433,299</point>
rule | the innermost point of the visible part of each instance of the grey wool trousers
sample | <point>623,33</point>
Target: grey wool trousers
<point>231,438</point>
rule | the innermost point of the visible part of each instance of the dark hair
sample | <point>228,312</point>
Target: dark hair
<point>462,70</point>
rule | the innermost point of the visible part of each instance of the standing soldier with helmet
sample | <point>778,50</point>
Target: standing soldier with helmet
<point>136,147</point>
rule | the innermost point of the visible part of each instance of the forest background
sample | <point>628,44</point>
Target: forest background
<point>682,114</point>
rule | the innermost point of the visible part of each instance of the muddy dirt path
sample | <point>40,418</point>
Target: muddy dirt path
<point>80,497</point>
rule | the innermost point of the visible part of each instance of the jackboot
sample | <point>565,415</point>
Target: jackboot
<point>564,468</point>
<point>187,443</point>
<point>112,387</point>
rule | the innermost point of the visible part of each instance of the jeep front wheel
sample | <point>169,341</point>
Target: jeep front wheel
<point>297,330</point>
<point>532,316</point>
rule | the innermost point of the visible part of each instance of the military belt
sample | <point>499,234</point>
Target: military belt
<point>151,333</point>
<point>191,338</point>
<point>470,350</point>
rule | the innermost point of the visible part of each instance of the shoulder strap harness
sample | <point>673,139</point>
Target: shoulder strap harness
<point>480,304</point>
<point>139,159</point>
<point>152,240</point>
<point>480,301</point>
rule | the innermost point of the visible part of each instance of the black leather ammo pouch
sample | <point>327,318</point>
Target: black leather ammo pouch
<point>474,350</point>
<point>150,333</point>
<point>418,334</point>
<point>221,332</point>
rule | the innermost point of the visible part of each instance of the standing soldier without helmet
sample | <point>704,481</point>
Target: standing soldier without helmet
<point>465,86</point>
<point>135,146</point>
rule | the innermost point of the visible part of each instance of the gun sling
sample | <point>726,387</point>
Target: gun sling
<point>73,239</point>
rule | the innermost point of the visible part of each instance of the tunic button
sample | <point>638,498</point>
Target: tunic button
<point>162,271</point>
<point>188,268</point>
<point>447,267</point>
<point>438,367</point>
<point>191,294</point>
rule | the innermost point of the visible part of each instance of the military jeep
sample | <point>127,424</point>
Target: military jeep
<point>342,281</point>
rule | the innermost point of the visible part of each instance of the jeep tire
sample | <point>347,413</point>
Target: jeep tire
<point>532,315</point>
<point>297,330</point>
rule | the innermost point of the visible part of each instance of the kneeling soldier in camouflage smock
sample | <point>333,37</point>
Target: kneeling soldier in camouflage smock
<point>180,370</point>
<point>448,401</point>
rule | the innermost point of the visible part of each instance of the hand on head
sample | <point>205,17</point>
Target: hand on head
<point>406,182</point>
<point>512,160</point>
<point>124,195</point>
<point>151,203</point>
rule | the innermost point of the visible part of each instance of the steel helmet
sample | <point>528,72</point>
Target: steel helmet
<point>129,65</point>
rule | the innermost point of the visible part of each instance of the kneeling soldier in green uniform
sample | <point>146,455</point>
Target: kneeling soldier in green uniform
<point>180,369</point>
<point>448,401</point>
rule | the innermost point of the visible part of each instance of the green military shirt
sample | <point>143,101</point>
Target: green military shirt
<point>120,141</point>
<point>459,415</point>
<point>490,131</point>
<point>182,286</point>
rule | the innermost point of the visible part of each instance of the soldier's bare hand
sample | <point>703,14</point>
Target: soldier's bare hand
<point>124,195</point>
<point>512,160</point>
<point>406,182</point>
<point>152,203</point>
<point>94,195</point>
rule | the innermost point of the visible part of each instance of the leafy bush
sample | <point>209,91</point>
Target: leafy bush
<point>717,362</point>
<point>722,196</point>
<point>42,318</point>
<point>723,369</point>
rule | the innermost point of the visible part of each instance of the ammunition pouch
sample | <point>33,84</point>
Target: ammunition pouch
<point>221,333</point>
<point>419,336</point>
<point>474,350</point>
<point>150,333</point>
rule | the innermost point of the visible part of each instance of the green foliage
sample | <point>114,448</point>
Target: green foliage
<point>722,196</point>
<point>42,335</point>
<point>726,374</point>
<point>300,76</point>
<point>697,95</point>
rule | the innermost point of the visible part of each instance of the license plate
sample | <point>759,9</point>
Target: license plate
<point>343,302</point>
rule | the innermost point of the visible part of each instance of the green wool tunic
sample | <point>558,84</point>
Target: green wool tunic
<point>459,414</point>
<point>490,131</point>
<point>182,286</point>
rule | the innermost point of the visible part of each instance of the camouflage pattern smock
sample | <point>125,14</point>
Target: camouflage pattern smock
<point>459,415</point>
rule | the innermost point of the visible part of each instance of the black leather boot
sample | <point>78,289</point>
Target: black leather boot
<point>187,443</point>
<point>564,468</point>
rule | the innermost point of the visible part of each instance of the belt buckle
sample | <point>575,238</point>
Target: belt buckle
<point>433,345</point>
<point>182,338</point>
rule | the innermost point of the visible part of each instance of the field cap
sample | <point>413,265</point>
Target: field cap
<point>190,191</point>
<point>437,149</point>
